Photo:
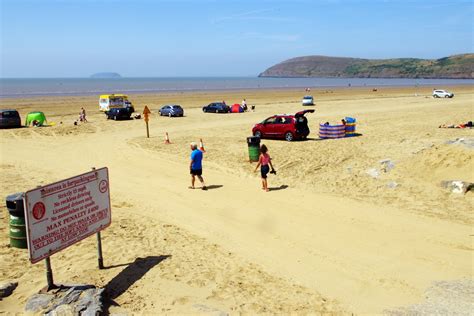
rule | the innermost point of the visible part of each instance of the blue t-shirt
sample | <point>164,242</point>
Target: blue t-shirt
<point>196,157</point>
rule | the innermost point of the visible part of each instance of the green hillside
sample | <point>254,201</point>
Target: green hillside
<point>454,67</point>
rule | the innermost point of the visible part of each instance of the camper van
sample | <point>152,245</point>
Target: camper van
<point>109,101</point>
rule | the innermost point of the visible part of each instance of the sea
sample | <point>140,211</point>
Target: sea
<point>20,88</point>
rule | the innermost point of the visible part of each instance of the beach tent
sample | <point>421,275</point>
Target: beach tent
<point>35,116</point>
<point>236,108</point>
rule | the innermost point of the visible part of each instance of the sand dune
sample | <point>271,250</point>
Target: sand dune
<point>327,238</point>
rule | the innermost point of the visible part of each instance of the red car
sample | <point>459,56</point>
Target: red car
<point>284,126</point>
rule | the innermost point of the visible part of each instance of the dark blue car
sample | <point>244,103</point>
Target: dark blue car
<point>171,110</point>
<point>9,119</point>
<point>216,107</point>
<point>120,113</point>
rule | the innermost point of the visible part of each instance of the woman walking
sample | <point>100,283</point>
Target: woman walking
<point>264,162</point>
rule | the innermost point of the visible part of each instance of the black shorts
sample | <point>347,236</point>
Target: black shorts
<point>196,172</point>
<point>264,170</point>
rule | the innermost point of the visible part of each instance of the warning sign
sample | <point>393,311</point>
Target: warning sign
<point>65,212</point>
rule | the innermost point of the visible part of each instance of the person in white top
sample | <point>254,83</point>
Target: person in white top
<point>244,105</point>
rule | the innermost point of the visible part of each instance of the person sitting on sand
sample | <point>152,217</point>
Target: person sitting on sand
<point>264,162</point>
<point>244,105</point>
<point>343,121</point>
<point>195,166</point>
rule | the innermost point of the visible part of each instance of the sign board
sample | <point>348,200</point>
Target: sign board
<point>146,113</point>
<point>65,212</point>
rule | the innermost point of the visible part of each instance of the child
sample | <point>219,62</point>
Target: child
<point>263,161</point>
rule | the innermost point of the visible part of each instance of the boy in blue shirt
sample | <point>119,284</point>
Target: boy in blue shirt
<point>195,166</point>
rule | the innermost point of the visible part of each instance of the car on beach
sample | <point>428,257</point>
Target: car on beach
<point>216,107</point>
<point>120,113</point>
<point>284,126</point>
<point>10,119</point>
<point>307,100</point>
<point>442,94</point>
<point>171,110</point>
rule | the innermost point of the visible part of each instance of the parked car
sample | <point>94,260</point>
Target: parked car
<point>284,126</point>
<point>216,107</point>
<point>442,94</point>
<point>120,113</point>
<point>171,110</point>
<point>9,119</point>
<point>307,100</point>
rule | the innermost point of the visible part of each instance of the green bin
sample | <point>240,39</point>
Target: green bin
<point>254,148</point>
<point>18,232</point>
<point>17,220</point>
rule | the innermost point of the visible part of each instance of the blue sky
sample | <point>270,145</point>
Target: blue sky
<point>145,38</point>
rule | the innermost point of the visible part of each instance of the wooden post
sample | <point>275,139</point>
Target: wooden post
<point>49,275</point>
<point>146,113</point>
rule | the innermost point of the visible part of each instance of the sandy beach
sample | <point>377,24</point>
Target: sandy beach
<point>327,239</point>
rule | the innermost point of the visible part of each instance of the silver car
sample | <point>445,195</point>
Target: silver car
<point>171,110</point>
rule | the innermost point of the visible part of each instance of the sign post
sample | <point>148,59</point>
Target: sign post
<point>146,113</point>
<point>63,213</point>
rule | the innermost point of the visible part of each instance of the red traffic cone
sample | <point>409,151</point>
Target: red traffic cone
<point>167,139</point>
<point>201,146</point>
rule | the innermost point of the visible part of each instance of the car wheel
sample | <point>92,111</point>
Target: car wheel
<point>257,134</point>
<point>446,96</point>
<point>289,136</point>
<point>217,111</point>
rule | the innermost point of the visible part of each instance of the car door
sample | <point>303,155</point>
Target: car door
<point>268,127</point>
<point>280,126</point>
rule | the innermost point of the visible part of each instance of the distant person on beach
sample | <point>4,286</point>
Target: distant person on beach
<point>195,166</point>
<point>244,105</point>
<point>264,162</point>
<point>343,121</point>
<point>82,115</point>
<point>462,125</point>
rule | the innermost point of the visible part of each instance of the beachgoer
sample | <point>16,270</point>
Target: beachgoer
<point>462,125</point>
<point>264,162</point>
<point>343,121</point>
<point>244,105</point>
<point>195,166</point>
<point>82,115</point>
<point>326,124</point>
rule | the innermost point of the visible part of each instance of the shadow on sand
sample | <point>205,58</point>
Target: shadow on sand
<point>281,187</point>
<point>320,139</point>
<point>128,276</point>
<point>214,186</point>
